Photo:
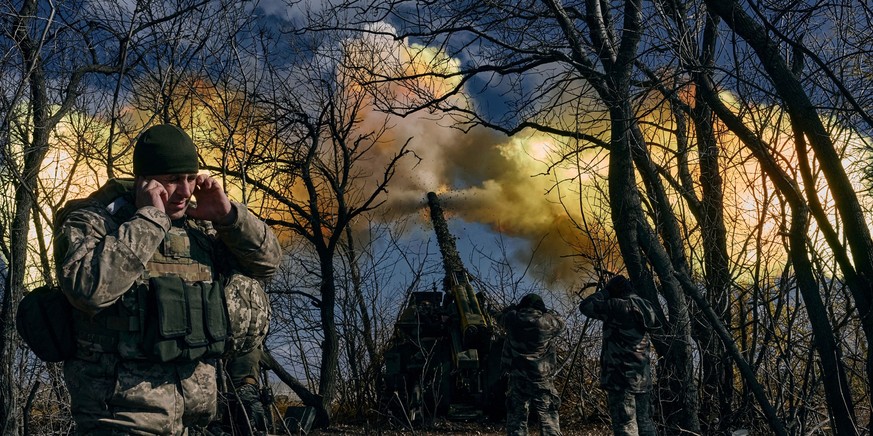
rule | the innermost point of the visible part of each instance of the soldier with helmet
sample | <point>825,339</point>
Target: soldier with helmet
<point>529,357</point>
<point>625,366</point>
<point>162,287</point>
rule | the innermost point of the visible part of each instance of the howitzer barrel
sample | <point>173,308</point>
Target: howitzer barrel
<point>473,322</point>
<point>451,258</point>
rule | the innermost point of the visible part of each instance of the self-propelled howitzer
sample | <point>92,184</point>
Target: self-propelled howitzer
<point>444,355</point>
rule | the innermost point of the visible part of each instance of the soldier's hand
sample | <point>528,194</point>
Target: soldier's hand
<point>150,192</point>
<point>212,202</point>
<point>588,290</point>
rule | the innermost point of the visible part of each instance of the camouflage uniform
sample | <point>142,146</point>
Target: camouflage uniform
<point>105,251</point>
<point>624,359</point>
<point>529,357</point>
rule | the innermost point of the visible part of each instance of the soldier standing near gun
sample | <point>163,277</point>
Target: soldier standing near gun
<point>529,356</point>
<point>625,366</point>
<point>161,289</point>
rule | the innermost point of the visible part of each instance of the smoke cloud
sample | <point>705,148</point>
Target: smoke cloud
<point>482,176</point>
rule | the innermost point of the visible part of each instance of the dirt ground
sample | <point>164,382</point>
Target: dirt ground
<point>459,428</point>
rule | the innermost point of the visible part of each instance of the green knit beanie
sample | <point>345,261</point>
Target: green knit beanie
<point>164,149</point>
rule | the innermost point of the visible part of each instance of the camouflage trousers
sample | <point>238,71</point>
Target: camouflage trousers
<point>631,413</point>
<point>544,399</point>
<point>112,396</point>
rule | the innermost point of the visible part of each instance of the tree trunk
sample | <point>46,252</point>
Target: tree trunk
<point>366,320</point>
<point>683,413</point>
<point>360,367</point>
<point>718,372</point>
<point>835,382</point>
<point>677,373</point>
<point>627,214</point>
<point>330,344</point>
<point>25,198</point>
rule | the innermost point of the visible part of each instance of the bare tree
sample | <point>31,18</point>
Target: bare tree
<point>809,131</point>
<point>32,31</point>
<point>315,176</point>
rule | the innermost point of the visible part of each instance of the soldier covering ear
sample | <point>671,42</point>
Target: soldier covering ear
<point>148,278</point>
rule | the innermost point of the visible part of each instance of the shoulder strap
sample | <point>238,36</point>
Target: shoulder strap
<point>108,196</point>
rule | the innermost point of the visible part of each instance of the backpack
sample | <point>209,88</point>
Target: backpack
<point>45,321</point>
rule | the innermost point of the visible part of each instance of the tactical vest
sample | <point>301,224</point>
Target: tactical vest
<point>174,312</point>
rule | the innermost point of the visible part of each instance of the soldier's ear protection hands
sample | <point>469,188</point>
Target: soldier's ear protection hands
<point>150,192</point>
<point>212,202</point>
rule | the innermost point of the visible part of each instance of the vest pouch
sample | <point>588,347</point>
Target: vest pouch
<point>168,322</point>
<point>136,304</point>
<point>188,321</point>
<point>195,340</point>
<point>196,336</point>
<point>215,311</point>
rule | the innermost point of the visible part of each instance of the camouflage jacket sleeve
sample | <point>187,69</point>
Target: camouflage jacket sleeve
<point>98,259</point>
<point>594,306</point>
<point>252,243</point>
<point>506,356</point>
<point>633,311</point>
<point>552,324</point>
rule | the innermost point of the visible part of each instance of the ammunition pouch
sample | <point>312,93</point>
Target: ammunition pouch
<point>190,322</point>
<point>165,320</point>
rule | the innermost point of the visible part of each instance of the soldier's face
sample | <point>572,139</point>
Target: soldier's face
<point>179,189</point>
